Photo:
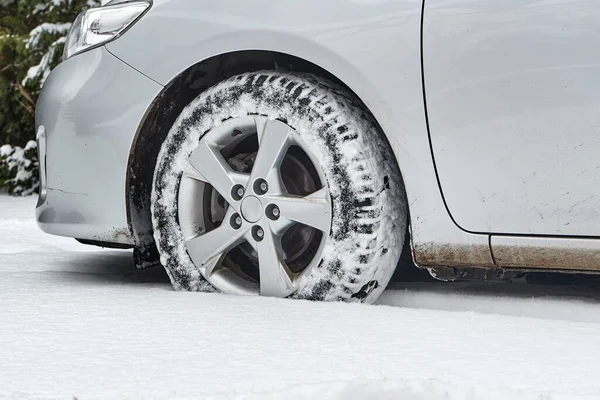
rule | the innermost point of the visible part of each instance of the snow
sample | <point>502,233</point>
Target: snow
<point>30,145</point>
<point>46,28</point>
<point>5,150</point>
<point>16,158</point>
<point>79,321</point>
<point>43,68</point>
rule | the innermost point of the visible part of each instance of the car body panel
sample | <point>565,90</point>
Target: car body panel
<point>351,40</point>
<point>91,106</point>
<point>512,98</point>
<point>564,254</point>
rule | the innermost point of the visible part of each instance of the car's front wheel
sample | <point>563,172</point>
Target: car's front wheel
<point>278,184</point>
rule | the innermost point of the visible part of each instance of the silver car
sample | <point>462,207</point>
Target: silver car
<point>292,148</point>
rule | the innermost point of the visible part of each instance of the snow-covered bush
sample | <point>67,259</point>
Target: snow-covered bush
<point>19,168</point>
<point>32,35</point>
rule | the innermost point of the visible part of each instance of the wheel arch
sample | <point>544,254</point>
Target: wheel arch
<point>165,109</point>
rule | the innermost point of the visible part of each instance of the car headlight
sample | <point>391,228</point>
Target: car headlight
<point>98,26</point>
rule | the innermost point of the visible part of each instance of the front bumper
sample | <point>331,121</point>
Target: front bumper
<point>87,115</point>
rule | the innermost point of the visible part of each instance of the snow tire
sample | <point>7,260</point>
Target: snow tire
<point>370,212</point>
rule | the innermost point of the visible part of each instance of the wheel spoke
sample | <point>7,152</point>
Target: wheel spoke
<point>273,139</point>
<point>313,210</point>
<point>276,280</point>
<point>276,185</point>
<point>206,250</point>
<point>207,165</point>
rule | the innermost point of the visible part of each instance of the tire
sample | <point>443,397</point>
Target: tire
<point>369,212</point>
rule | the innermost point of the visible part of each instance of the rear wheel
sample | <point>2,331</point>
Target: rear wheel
<point>278,184</point>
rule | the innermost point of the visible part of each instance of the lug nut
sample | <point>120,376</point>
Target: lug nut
<point>237,192</point>
<point>261,186</point>
<point>258,233</point>
<point>272,211</point>
<point>235,221</point>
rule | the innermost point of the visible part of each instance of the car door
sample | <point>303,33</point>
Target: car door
<point>513,104</point>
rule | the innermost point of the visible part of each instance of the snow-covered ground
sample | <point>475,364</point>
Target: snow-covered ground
<point>76,321</point>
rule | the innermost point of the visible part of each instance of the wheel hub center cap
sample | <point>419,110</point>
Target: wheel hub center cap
<point>251,209</point>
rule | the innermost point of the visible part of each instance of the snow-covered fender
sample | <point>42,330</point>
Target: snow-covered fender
<point>371,46</point>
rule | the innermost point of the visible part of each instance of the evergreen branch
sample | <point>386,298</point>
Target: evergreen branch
<point>25,93</point>
<point>26,106</point>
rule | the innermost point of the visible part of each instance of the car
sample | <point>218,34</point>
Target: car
<point>293,149</point>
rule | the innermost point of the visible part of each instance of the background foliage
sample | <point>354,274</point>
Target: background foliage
<point>32,34</point>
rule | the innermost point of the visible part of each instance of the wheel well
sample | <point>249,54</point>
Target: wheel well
<point>164,111</point>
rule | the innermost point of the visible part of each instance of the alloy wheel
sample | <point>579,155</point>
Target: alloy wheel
<point>254,207</point>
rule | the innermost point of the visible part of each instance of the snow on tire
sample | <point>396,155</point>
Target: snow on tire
<point>369,209</point>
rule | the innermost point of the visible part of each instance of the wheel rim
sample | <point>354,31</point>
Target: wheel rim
<point>254,207</point>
